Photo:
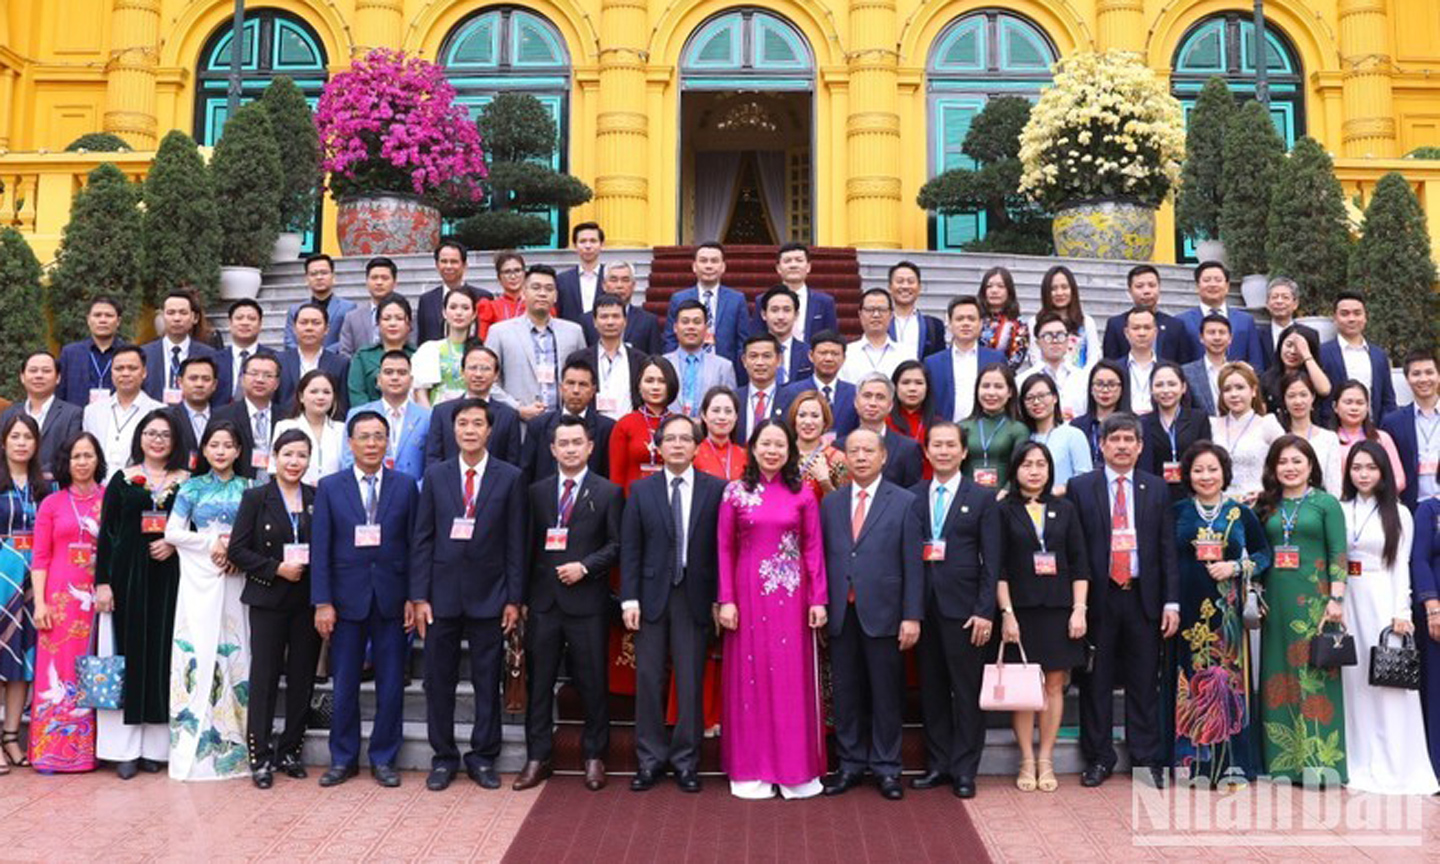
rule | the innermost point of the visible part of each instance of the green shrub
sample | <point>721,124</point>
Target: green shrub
<point>1252,153</point>
<point>99,142</point>
<point>248,188</point>
<point>295,135</point>
<point>1309,234</point>
<point>181,226</point>
<point>1391,263</point>
<point>1202,192</point>
<point>99,253</point>
<point>21,331</point>
<point>1424,153</point>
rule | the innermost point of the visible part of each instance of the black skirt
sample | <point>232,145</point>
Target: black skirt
<point>1045,633</point>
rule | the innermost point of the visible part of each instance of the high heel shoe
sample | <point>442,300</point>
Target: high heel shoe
<point>1046,781</point>
<point>1025,780</point>
<point>10,740</point>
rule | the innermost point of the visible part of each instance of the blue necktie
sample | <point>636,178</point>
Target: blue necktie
<point>370,502</point>
<point>937,519</point>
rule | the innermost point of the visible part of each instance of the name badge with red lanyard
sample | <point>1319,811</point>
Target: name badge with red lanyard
<point>986,473</point>
<point>23,541</point>
<point>82,551</point>
<point>153,521</point>
<point>1354,567</point>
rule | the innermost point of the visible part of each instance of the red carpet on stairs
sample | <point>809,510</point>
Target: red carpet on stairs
<point>617,826</point>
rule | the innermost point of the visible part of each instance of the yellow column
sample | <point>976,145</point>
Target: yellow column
<point>1120,25</point>
<point>130,73</point>
<point>378,24</point>
<point>622,128</point>
<point>872,128</point>
<point>1365,64</point>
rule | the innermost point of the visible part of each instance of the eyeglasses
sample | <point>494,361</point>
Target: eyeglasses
<point>1037,398</point>
<point>1053,337</point>
<point>1105,385</point>
<point>156,434</point>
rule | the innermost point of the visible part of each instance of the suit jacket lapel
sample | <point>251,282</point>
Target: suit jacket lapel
<point>1103,499</point>
<point>487,485</point>
<point>388,479</point>
<point>963,491</point>
<point>352,491</point>
<point>882,500</point>
<point>695,504</point>
<point>661,493</point>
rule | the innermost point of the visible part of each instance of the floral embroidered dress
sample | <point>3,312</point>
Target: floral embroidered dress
<point>1214,708</point>
<point>1302,709</point>
<point>210,660</point>
<point>17,628</point>
<point>772,567</point>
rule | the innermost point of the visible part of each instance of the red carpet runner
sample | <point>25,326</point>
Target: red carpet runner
<point>617,826</point>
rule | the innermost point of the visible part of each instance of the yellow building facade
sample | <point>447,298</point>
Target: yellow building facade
<point>691,119</point>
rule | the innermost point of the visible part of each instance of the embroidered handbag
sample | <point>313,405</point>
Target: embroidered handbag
<point>1016,687</point>
<point>1392,666</point>
<point>1332,650</point>
<point>99,682</point>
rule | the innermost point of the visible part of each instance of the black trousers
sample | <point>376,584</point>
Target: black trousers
<point>869,695</point>
<point>951,669</point>
<point>442,674</point>
<point>679,639</point>
<point>1127,653</point>
<point>280,640</point>
<point>548,635</point>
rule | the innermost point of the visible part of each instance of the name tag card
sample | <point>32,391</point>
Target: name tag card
<point>1428,464</point>
<point>545,374</point>
<point>174,396</point>
<point>98,394</point>
<point>1171,471</point>
<point>194,460</point>
<point>82,554</point>
<point>260,461</point>
<point>1287,557</point>
<point>390,462</point>
<point>1045,564</point>
<point>556,539</point>
<point>1209,550</point>
<point>23,541</point>
<point>934,550</point>
<point>367,535</point>
<point>153,521</point>
<point>462,528</point>
<point>988,477</point>
<point>1355,568</point>
<point>1123,541</point>
<point>297,553</point>
<point>607,404</point>
<point>650,468</point>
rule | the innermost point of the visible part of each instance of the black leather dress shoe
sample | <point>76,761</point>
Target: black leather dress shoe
<point>337,774</point>
<point>385,775</point>
<point>1156,776</point>
<point>842,782</point>
<point>128,769</point>
<point>891,788</point>
<point>643,781</point>
<point>930,780</point>
<point>484,776</point>
<point>263,775</point>
<point>688,781</point>
<point>150,766</point>
<point>291,766</point>
<point>439,779</point>
<point>1094,775</point>
<point>965,787</point>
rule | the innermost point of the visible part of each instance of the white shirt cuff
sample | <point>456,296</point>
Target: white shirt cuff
<point>627,605</point>
<point>1172,607</point>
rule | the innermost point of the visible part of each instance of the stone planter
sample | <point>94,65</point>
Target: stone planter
<point>387,224</point>
<point>1322,324</point>
<point>1210,250</point>
<point>1253,288</point>
<point>239,283</point>
<point>287,246</point>
<point>1113,230</point>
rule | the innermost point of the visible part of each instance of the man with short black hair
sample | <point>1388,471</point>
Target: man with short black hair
<point>254,415</point>
<point>759,398</point>
<point>874,351</point>
<point>59,421</point>
<point>408,422</point>
<point>642,328</point>
<point>1140,332</point>
<point>246,319</point>
<point>320,279</point>
<point>816,310</point>
<point>309,353</point>
<point>953,373</point>
<point>1351,357</point>
<point>480,367</point>
<point>827,355</point>
<point>727,320</point>
<point>699,369</point>
<point>1415,429</point>
<point>361,327</point>
<point>1212,284</point>
<point>1143,283</point>
<point>617,364</point>
<point>532,347</point>
<point>197,387</point>
<point>451,258</point>
<point>114,419</point>
<point>164,355</point>
<point>578,287</point>
<point>85,364</point>
<point>1052,334</point>
<point>778,308</point>
<point>577,397</point>
<point>917,334</point>
<point>1202,376</point>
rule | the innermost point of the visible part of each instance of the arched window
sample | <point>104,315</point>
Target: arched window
<point>508,49</point>
<point>977,57</point>
<point>747,49</point>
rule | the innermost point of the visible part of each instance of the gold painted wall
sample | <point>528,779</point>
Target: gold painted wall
<point>1372,83</point>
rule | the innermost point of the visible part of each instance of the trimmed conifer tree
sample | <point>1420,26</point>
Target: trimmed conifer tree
<point>1391,263</point>
<point>1251,154</point>
<point>99,253</point>
<point>181,226</point>
<point>1202,191</point>
<point>299,143</point>
<point>21,331</point>
<point>248,187</point>
<point>1308,232</point>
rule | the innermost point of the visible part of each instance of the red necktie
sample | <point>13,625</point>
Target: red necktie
<point>857,522</point>
<point>759,409</point>
<point>469,493</point>
<point>567,503</point>
<point>1120,521</point>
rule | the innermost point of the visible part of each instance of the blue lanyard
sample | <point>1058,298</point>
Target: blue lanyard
<point>1287,522</point>
<point>984,439</point>
<point>27,511</point>
<point>1170,433</point>
<point>100,373</point>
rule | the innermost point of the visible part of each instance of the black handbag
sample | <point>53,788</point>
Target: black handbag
<point>1332,650</point>
<point>1392,666</point>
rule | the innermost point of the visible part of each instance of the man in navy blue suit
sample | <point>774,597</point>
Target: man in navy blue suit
<point>642,328</point>
<point>953,372</point>
<point>760,398</point>
<point>877,600</point>
<point>163,356</point>
<point>827,355</point>
<point>778,308</point>
<point>816,310</point>
<point>1212,283</point>
<point>246,319</point>
<point>311,324</point>
<point>85,364</point>
<point>577,288</point>
<point>59,421</point>
<point>467,579</point>
<point>874,399</point>
<point>725,307</point>
<point>480,367</point>
<point>1415,429</point>
<point>1351,357</point>
<point>320,279</point>
<point>1172,343</point>
<point>359,582</point>
<point>917,334</point>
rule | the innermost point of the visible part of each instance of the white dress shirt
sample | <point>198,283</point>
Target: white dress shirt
<point>1140,384</point>
<point>862,358</point>
<point>1212,373</point>
<point>613,376</point>
<point>869,498</point>
<point>909,332</point>
<point>308,364</point>
<point>1357,363</point>
<point>964,367</point>
<point>687,493</point>
<point>379,482</point>
<point>589,284</point>
<point>114,427</point>
<point>951,486</point>
<point>198,419</point>
<point>479,474</point>
<point>802,308</point>
<point>1222,309</point>
<point>769,394</point>
<point>262,443</point>
<point>39,416</point>
<point>169,353</point>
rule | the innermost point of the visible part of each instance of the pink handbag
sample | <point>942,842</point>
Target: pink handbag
<point>1016,687</point>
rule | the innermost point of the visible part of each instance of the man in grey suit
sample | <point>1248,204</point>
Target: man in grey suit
<point>358,329</point>
<point>877,599</point>
<point>532,347</point>
<point>1201,376</point>
<point>699,369</point>
<point>59,421</point>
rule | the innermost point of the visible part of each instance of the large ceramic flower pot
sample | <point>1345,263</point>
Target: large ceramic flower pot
<point>287,246</point>
<point>387,225</point>
<point>1321,324</point>
<point>1210,250</point>
<point>239,283</point>
<point>1109,229</point>
<point>1255,287</point>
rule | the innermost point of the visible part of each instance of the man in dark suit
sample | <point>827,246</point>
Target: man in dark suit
<point>954,371</point>
<point>577,288</point>
<point>163,356</point>
<point>1350,356</point>
<point>961,571</point>
<point>1171,343</point>
<point>360,578</point>
<point>725,311</point>
<point>917,334</point>
<point>85,364</point>
<point>481,368</point>
<point>574,541</point>
<point>827,355</point>
<point>1135,600</point>
<point>617,363</point>
<point>577,399</point>
<point>254,415</point>
<point>320,279</point>
<point>816,310</point>
<point>777,311</point>
<point>1202,375</point>
<point>310,353</point>
<point>467,579</point>
<point>877,600</point>
<point>642,328</point>
<point>246,318</point>
<point>1282,299</point>
<point>1414,428</point>
<point>760,398</point>
<point>197,388</point>
<point>59,421</point>
<point>451,257</point>
<point>669,577</point>
<point>874,398</point>
<point>1212,284</point>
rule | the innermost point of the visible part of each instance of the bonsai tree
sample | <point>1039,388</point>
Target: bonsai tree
<point>20,301</point>
<point>1012,223</point>
<point>1391,263</point>
<point>1308,232</point>
<point>1202,191</point>
<point>299,145</point>
<point>99,253</point>
<point>1252,152</point>
<point>520,139</point>
<point>98,142</point>
<point>248,180</point>
<point>181,227</point>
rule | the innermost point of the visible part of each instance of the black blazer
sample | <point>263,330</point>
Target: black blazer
<point>225,372</point>
<point>257,546</point>
<point>479,577</point>
<point>430,311</point>
<point>1190,426</point>
<point>63,422</point>
<point>883,563</point>
<point>332,363</point>
<point>187,441</point>
<point>964,583</point>
<point>904,463</point>
<point>594,541</point>
<point>642,330</point>
<point>634,356</point>
<point>647,549</point>
<point>504,434</point>
<point>1064,536</point>
<point>155,356</point>
<point>238,412</point>
<point>1159,572</point>
<point>1171,343</point>
<point>538,461</point>
<point>567,292</point>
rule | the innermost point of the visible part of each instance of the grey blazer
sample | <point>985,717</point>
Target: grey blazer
<point>511,341</point>
<point>714,370</point>
<point>1198,382</point>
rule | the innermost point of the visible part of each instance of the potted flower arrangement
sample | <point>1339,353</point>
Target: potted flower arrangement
<point>1102,149</point>
<point>392,135</point>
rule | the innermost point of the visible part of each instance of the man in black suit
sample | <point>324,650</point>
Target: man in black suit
<point>197,388</point>
<point>451,258</point>
<point>59,421</point>
<point>467,579</point>
<point>642,328</point>
<point>254,415</point>
<point>1171,340</point>
<point>577,397</point>
<point>960,525</point>
<point>1282,300</point>
<point>669,577</point>
<point>164,355</point>
<point>617,364</point>
<point>874,397</point>
<point>877,600</point>
<point>778,310</point>
<point>1135,602</point>
<point>760,397</point>
<point>577,288</point>
<point>246,319</point>
<point>311,324</point>
<point>574,541</point>
<point>480,367</point>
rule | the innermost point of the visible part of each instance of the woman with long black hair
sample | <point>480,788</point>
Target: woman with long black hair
<point>1109,393</point>
<point>22,486</point>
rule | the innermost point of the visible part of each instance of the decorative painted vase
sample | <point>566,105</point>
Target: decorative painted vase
<point>386,224</point>
<point>1112,229</point>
